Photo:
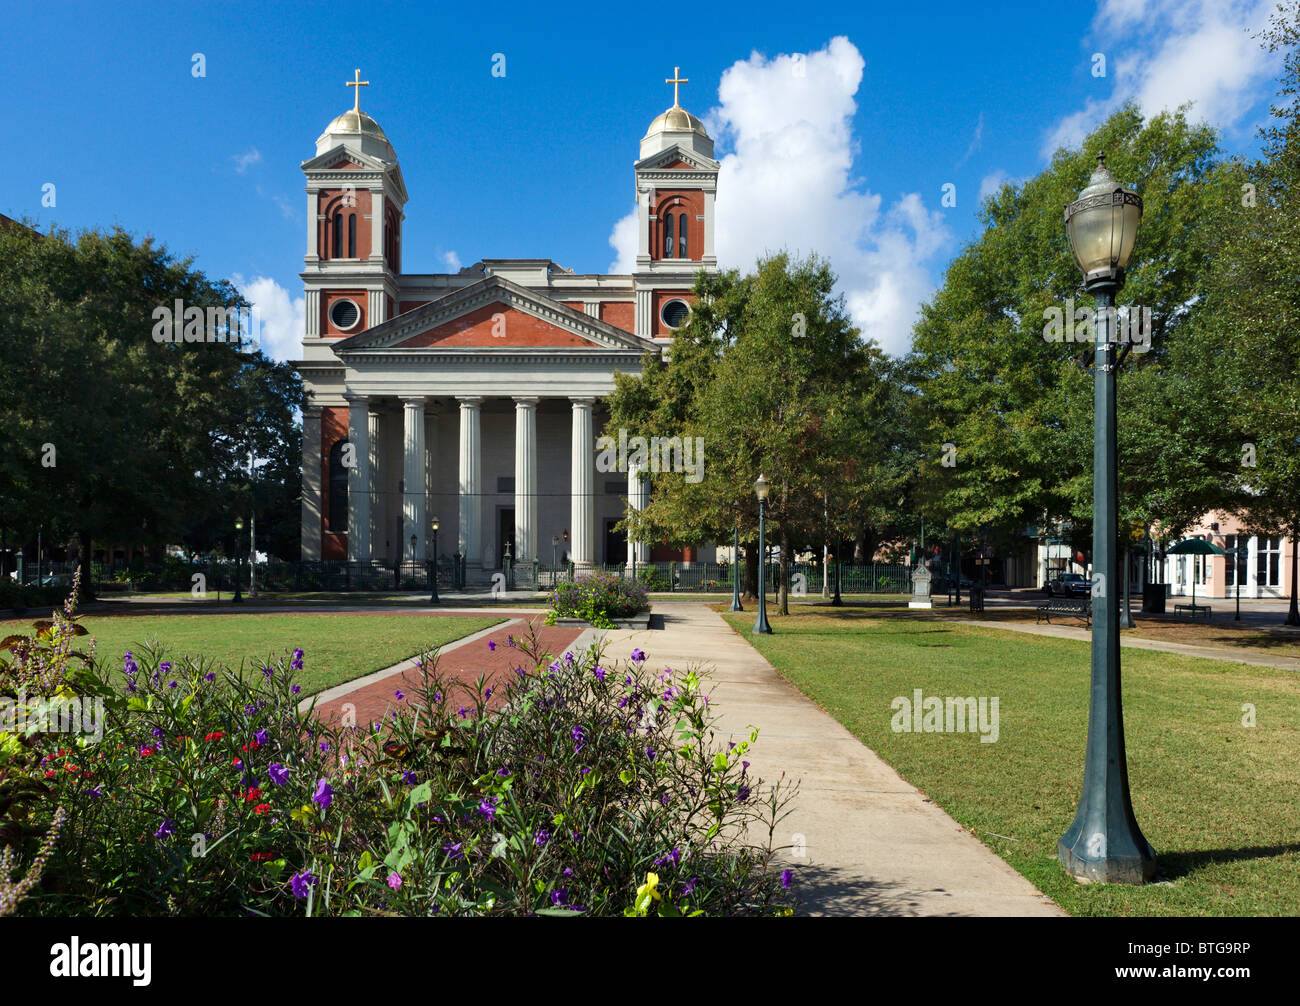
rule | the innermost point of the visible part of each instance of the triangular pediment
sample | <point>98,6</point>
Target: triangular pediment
<point>342,156</point>
<point>676,158</point>
<point>494,314</point>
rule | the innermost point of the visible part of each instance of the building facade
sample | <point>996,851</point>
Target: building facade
<point>475,397</point>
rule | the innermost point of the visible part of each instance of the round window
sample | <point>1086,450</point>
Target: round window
<point>344,314</point>
<point>676,313</point>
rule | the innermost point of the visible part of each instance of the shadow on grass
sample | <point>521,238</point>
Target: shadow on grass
<point>1174,865</point>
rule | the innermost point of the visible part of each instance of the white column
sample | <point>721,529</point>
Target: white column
<point>313,224</point>
<point>638,495</point>
<point>413,522</point>
<point>470,498</point>
<point>525,479</point>
<point>582,508</point>
<point>645,322</point>
<point>708,256</point>
<point>311,483</point>
<point>376,224</point>
<point>377,499</point>
<point>359,479</point>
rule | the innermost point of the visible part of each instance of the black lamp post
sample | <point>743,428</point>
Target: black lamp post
<point>1243,554</point>
<point>239,559</point>
<point>761,486</point>
<point>1104,843</point>
<point>433,563</point>
<point>555,543</point>
<point>735,570</point>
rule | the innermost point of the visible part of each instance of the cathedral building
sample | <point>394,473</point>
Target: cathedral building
<point>475,397</point>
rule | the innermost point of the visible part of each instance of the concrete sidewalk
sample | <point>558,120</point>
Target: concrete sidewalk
<point>875,845</point>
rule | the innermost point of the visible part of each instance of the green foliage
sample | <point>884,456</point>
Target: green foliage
<point>600,598</point>
<point>556,792</point>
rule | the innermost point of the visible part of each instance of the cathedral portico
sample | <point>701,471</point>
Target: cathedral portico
<point>477,396</point>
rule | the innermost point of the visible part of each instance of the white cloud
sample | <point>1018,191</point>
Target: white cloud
<point>788,183</point>
<point>993,181</point>
<point>1176,51</point>
<point>282,318</point>
<point>244,161</point>
<point>451,260</point>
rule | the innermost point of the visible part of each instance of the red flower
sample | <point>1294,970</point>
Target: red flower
<point>257,857</point>
<point>261,808</point>
<point>236,762</point>
<point>50,773</point>
<point>253,794</point>
<point>146,752</point>
<point>250,746</point>
<point>216,735</point>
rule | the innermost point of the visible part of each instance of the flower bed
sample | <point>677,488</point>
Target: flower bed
<point>598,789</point>
<point>599,598</point>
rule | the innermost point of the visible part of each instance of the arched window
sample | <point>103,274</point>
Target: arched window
<point>352,235</point>
<point>338,236</point>
<point>338,512</point>
<point>681,236</point>
<point>668,236</point>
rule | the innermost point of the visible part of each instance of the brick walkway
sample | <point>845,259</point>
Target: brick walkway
<point>463,660</point>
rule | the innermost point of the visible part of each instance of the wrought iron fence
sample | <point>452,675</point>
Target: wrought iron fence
<point>343,576</point>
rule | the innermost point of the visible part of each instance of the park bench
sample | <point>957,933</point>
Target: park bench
<point>1076,609</point>
<point>1194,609</point>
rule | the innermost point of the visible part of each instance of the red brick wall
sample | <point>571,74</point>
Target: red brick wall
<point>328,297</point>
<point>692,204</point>
<point>330,200</point>
<point>657,299</point>
<point>620,314</point>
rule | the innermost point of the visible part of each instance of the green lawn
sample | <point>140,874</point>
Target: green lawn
<point>338,647</point>
<point>1219,801</point>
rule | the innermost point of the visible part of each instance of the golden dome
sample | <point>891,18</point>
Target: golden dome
<point>678,120</point>
<point>354,121</point>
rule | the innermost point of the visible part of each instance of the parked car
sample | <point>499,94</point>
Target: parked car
<point>1068,585</point>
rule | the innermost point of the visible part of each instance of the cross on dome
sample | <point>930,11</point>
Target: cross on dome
<point>358,83</point>
<point>676,79</point>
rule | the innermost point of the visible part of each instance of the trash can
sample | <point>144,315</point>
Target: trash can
<point>976,597</point>
<point>1153,598</point>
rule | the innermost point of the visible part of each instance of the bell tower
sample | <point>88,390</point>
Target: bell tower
<point>676,182</point>
<point>355,202</point>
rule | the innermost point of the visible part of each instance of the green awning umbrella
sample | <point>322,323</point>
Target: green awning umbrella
<point>1195,546</point>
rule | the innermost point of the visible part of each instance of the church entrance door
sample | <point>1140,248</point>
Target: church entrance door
<point>506,534</point>
<point>615,544</point>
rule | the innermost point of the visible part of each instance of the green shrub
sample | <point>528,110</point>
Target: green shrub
<point>600,598</point>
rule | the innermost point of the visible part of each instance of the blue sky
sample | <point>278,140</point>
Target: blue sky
<point>838,124</point>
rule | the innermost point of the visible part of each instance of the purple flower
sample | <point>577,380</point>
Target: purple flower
<point>491,646</point>
<point>166,829</point>
<point>157,731</point>
<point>171,684</point>
<point>579,736</point>
<point>742,793</point>
<point>488,807</point>
<point>785,878</point>
<point>395,880</point>
<point>278,773</point>
<point>453,849</point>
<point>266,671</point>
<point>638,655</point>
<point>296,663</point>
<point>542,837</point>
<point>210,676</point>
<point>398,695</point>
<point>599,672</point>
<point>688,888</point>
<point>296,689</point>
<point>98,791</point>
<point>261,737</point>
<point>324,794</point>
<point>408,777</point>
<point>301,883</point>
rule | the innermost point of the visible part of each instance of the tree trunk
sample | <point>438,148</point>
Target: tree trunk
<point>1292,616</point>
<point>751,571</point>
<point>783,588</point>
<point>859,547</point>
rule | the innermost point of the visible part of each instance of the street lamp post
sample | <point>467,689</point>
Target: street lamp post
<point>433,562</point>
<point>1104,842</point>
<point>761,486</point>
<point>239,559</point>
<point>1243,554</point>
<point>837,601</point>
<point>735,570</point>
<point>555,543</point>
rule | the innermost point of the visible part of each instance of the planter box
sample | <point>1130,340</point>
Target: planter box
<point>641,621</point>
